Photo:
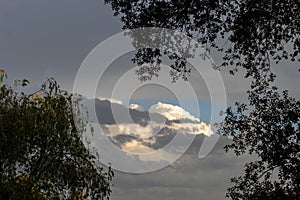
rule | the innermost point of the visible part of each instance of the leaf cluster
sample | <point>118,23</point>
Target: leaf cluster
<point>270,128</point>
<point>249,33</point>
<point>41,151</point>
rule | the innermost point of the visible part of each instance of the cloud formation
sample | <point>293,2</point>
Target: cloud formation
<point>187,178</point>
<point>135,146</point>
<point>172,112</point>
<point>110,100</point>
<point>140,131</point>
<point>149,132</point>
<point>136,107</point>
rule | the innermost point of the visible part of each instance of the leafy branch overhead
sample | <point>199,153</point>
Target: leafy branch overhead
<point>250,33</point>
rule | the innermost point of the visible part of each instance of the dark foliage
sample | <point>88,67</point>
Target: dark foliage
<point>270,128</point>
<point>250,33</point>
<point>41,152</point>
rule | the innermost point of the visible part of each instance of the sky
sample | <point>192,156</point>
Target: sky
<point>57,38</point>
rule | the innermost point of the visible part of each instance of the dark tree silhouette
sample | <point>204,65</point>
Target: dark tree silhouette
<point>270,128</point>
<point>41,152</point>
<point>250,34</point>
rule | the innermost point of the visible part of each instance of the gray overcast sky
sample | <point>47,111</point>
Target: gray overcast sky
<point>42,38</point>
<point>50,38</point>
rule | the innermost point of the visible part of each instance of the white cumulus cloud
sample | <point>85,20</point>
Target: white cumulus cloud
<point>192,128</point>
<point>110,100</point>
<point>136,107</point>
<point>172,112</point>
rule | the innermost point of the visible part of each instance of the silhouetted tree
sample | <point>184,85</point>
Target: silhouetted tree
<point>268,127</point>
<point>251,34</point>
<point>41,152</point>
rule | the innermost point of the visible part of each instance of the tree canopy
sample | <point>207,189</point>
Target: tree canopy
<point>270,129</point>
<point>41,151</point>
<point>252,35</point>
